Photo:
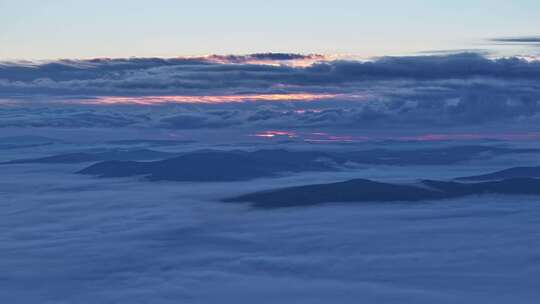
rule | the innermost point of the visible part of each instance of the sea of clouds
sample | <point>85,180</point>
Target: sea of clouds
<point>67,238</point>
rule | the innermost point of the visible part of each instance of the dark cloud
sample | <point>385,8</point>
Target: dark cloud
<point>525,40</point>
<point>136,76</point>
<point>483,52</point>
<point>457,90</point>
<point>386,105</point>
<point>264,57</point>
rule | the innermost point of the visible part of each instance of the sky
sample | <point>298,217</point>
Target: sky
<point>349,69</point>
<point>32,29</point>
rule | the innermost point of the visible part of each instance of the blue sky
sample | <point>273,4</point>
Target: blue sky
<point>31,29</point>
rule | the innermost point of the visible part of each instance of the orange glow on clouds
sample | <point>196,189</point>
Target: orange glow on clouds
<point>271,134</point>
<point>308,60</point>
<point>210,99</point>
<point>323,137</point>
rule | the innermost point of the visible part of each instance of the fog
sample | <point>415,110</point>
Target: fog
<point>68,238</point>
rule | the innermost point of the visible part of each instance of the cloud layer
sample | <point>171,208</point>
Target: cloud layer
<point>419,92</point>
<point>72,239</point>
<point>231,74</point>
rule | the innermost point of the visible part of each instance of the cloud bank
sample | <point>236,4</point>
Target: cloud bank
<point>441,91</point>
<point>230,74</point>
<point>71,239</point>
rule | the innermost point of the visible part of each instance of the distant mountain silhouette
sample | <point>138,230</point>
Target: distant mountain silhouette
<point>516,172</point>
<point>153,142</point>
<point>27,141</point>
<point>362,190</point>
<point>218,165</point>
<point>81,157</point>
<point>439,156</point>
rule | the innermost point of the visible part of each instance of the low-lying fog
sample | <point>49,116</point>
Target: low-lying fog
<point>68,238</point>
